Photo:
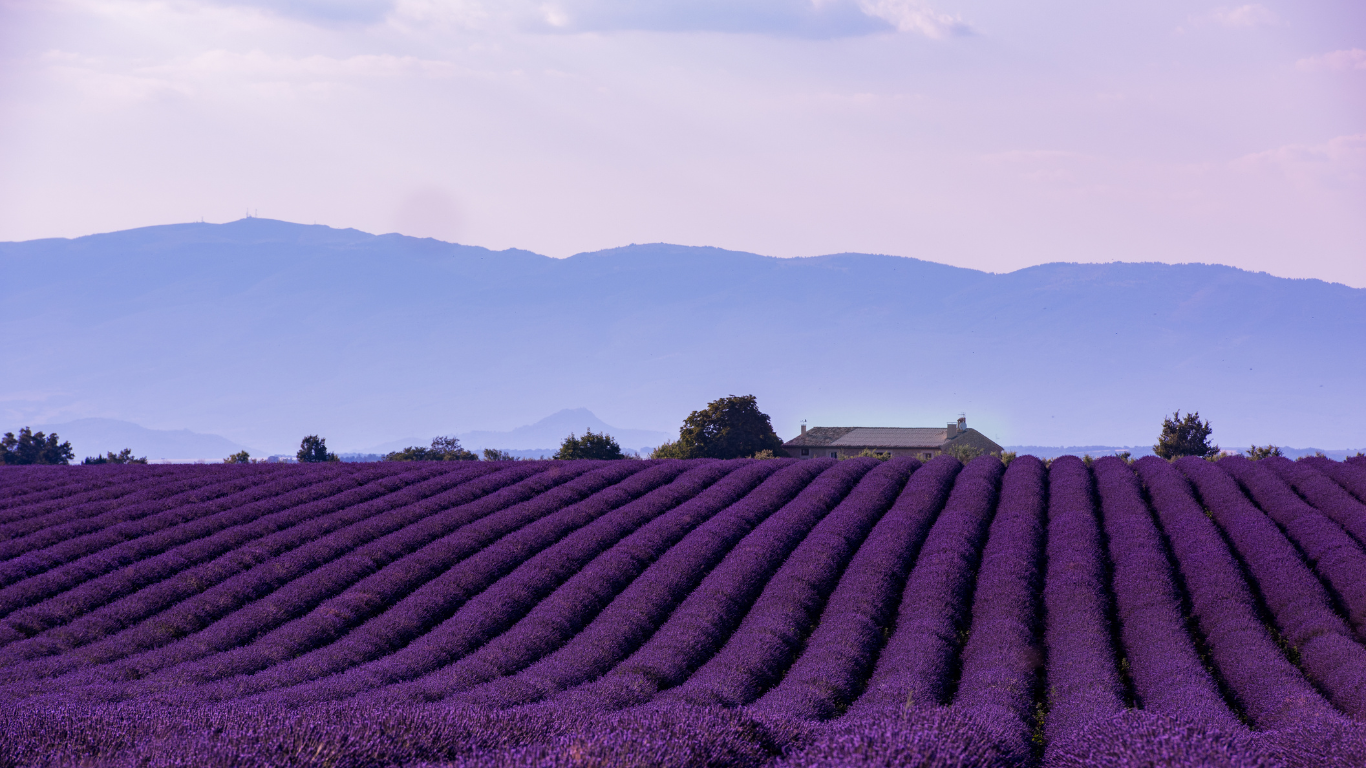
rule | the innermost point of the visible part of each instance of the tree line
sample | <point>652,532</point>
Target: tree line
<point>29,447</point>
<point>731,427</point>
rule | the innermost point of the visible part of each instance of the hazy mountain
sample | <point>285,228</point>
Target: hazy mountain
<point>395,445</point>
<point>95,437</point>
<point>544,436</point>
<point>264,331</point>
<point>552,430</point>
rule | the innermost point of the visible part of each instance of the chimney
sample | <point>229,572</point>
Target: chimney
<point>803,429</point>
<point>953,431</point>
<point>962,423</point>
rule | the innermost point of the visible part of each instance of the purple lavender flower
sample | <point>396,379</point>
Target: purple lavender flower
<point>1298,601</point>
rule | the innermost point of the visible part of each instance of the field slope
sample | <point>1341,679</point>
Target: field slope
<point>678,613</point>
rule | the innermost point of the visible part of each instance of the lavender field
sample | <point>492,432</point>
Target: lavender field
<point>685,613</point>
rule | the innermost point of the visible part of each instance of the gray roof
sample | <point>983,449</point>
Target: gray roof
<point>820,436</point>
<point>974,439</point>
<point>893,437</point>
<point>872,437</point>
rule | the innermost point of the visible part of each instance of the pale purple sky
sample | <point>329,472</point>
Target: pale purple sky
<point>992,135</point>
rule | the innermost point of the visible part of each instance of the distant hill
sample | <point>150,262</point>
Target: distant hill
<point>552,430</point>
<point>544,436</point>
<point>95,437</point>
<point>270,331</point>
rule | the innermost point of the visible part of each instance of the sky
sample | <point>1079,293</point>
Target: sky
<point>993,135</point>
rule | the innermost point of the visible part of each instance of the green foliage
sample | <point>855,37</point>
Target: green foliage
<point>124,456</point>
<point>34,448</point>
<point>313,449</point>
<point>241,457</point>
<point>493,454</point>
<point>766,454</point>
<point>730,428</point>
<point>1008,457</point>
<point>590,446</point>
<point>1126,457</point>
<point>868,453</point>
<point>442,449</point>
<point>670,450</point>
<point>1263,452</point>
<point>1185,437</point>
<point>963,453</point>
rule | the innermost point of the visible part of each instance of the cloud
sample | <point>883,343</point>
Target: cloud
<point>320,11</point>
<point>799,18</point>
<point>785,18</point>
<point>266,75</point>
<point>1244,16</point>
<point>911,16</point>
<point>1337,163</point>
<point>257,65</point>
<point>1337,61</point>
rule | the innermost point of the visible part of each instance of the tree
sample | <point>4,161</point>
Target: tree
<point>241,457</point>
<point>1263,452</point>
<point>730,428</point>
<point>313,449</point>
<point>34,448</point>
<point>124,456</point>
<point>590,446</point>
<point>493,454</point>
<point>1185,437</point>
<point>442,449</point>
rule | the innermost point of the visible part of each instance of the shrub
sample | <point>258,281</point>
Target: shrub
<point>590,446</point>
<point>442,449</point>
<point>122,457</point>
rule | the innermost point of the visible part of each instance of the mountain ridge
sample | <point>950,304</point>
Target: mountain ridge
<point>349,235</point>
<point>261,331</point>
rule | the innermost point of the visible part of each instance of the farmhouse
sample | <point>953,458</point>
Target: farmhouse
<point>919,442</point>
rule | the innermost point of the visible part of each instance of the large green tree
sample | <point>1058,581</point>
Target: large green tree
<point>34,448</point>
<point>441,449</point>
<point>1186,436</point>
<point>590,446</point>
<point>730,428</point>
<point>313,449</point>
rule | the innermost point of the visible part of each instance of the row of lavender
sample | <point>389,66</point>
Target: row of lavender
<point>737,613</point>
